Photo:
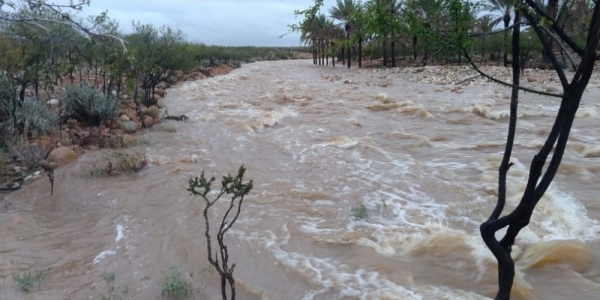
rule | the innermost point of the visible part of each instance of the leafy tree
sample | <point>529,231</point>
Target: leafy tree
<point>158,52</point>
<point>382,21</point>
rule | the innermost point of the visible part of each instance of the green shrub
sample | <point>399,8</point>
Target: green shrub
<point>28,281</point>
<point>359,212</point>
<point>33,118</point>
<point>111,291</point>
<point>6,94</point>
<point>174,286</point>
<point>89,104</point>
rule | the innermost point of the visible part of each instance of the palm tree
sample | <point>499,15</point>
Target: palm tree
<point>484,25</point>
<point>394,7</point>
<point>344,12</point>
<point>320,33</point>
<point>502,11</point>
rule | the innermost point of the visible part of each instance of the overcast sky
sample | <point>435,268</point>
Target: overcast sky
<point>213,22</point>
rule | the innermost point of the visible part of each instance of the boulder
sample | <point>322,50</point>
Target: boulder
<point>160,92</point>
<point>62,156</point>
<point>153,111</point>
<point>129,127</point>
<point>148,121</point>
<point>160,103</point>
<point>78,150</point>
<point>162,85</point>
<point>113,162</point>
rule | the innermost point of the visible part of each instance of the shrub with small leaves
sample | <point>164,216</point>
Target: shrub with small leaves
<point>28,281</point>
<point>89,104</point>
<point>33,118</point>
<point>174,286</point>
<point>359,212</point>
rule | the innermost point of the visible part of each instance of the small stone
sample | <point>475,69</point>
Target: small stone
<point>124,117</point>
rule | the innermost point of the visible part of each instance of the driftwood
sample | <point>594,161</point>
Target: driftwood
<point>15,185</point>
<point>176,118</point>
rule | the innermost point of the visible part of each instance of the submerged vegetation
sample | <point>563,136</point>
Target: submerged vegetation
<point>29,281</point>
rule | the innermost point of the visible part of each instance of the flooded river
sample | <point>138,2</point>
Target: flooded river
<point>418,153</point>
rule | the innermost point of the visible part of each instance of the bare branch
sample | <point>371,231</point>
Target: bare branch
<point>534,5</point>
<point>547,47</point>
<point>466,54</point>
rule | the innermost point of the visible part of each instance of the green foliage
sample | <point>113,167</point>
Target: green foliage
<point>111,291</point>
<point>200,186</point>
<point>230,185</point>
<point>27,281</point>
<point>89,104</point>
<point>158,52</point>
<point>359,212</point>
<point>32,116</point>
<point>381,206</point>
<point>174,286</point>
<point>309,15</point>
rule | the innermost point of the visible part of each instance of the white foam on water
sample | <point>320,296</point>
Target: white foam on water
<point>558,215</point>
<point>271,118</point>
<point>120,230</point>
<point>103,254</point>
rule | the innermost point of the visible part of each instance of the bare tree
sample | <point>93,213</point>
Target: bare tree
<point>234,186</point>
<point>541,173</point>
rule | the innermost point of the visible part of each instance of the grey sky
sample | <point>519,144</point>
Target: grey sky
<point>213,22</point>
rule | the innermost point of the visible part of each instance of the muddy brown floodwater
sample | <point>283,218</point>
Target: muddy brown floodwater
<point>420,153</point>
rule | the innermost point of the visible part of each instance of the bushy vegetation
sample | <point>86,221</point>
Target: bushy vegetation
<point>30,117</point>
<point>174,285</point>
<point>111,291</point>
<point>89,104</point>
<point>359,212</point>
<point>29,281</point>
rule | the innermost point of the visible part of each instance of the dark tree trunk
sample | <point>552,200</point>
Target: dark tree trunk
<point>22,91</point>
<point>333,56</point>
<point>539,179</point>
<point>323,51</point>
<point>343,57</point>
<point>349,56</point>
<point>506,21</point>
<point>360,53</point>
<point>393,44</point>
<point>314,52</point>
<point>104,81</point>
<point>384,54</point>
<point>348,42</point>
<point>414,47</point>
<point>327,53</point>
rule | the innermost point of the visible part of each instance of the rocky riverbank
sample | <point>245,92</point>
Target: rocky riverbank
<point>74,138</point>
